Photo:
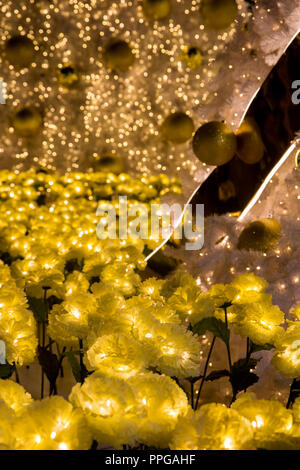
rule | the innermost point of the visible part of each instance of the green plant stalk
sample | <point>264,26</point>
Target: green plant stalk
<point>205,371</point>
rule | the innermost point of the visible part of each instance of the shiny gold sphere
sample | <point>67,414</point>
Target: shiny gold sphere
<point>19,51</point>
<point>214,143</point>
<point>177,128</point>
<point>218,14</point>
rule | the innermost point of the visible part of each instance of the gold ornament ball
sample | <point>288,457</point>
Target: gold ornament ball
<point>19,51</point>
<point>214,143</point>
<point>250,146</point>
<point>260,235</point>
<point>157,9</point>
<point>109,162</point>
<point>218,14</point>
<point>27,121</point>
<point>67,76</point>
<point>177,128</point>
<point>118,56</point>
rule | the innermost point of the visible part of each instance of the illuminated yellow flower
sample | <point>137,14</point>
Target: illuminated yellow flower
<point>19,336</point>
<point>212,427</point>
<point>122,277</point>
<point>118,355</point>
<point>178,351</point>
<point>178,279</point>
<point>191,303</point>
<point>296,312</point>
<point>75,283</point>
<point>250,287</point>
<point>7,417</point>
<point>287,351</point>
<point>109,404</point>
<point>222,294</point>
<point>161,402</point>
<point>69,319</point>
<point>152,288</point>
<point>14,396</point>
<point>269,418</point>
<point>109,302</point>
<point>260,321</point>
<point>52,424</point>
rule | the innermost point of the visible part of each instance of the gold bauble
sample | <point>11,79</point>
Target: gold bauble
<point>214,143</point>
<point>260,235</point>
<point>177,128</point>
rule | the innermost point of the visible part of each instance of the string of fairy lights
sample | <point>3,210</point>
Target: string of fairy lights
<point>117,112</point>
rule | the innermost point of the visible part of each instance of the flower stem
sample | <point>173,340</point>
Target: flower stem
<point>227,341</point>
<point>81,360</point>
<point>192,394</point>
<point>205,371</point>
<point>291,393</point>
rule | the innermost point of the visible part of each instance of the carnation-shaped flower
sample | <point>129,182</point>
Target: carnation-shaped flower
<point>260,321</point>
<point>122,277</point>
<point>75,283</point>
<point>119,355</point>
<point>268,418</point>
<point>189,302</point>
<point>164,313</point>
<point>212,427</point>
<point>152,288</point>
<point>14,396</point>
<point>5,274</point>
<point>7,417</point>
<point>137,317</point>
<point>178,279</point>
<point>109,301</point>
<point>249,286</point>
<point>178,351</point>
<point>223,294</point>
<point>161,402</point>
<point>35,278</point>
<point>296,312</point>
<point>287,351</point>
<point>19,335</point>
<point>67,326</point>
<point>52,424</point>
<point>110,406</point>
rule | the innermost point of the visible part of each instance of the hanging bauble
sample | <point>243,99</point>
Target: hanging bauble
<point>27,121</point>
<point>157,9</point>
<point>19,51</point>
<point>109,162</point>
<point>214,143</point>
<point>218,14</point>
<point>260,235</point>
<point>250,147</point>
<point>118,56</point>
<point>67,76</point>
<point>177,128</point>
<point>192,56</point>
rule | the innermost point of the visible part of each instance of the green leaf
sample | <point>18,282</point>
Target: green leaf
<point>49,363</point>
<point>217,374</point>
<point>241,378</point>
<point>294,392</point>
<point>38,308</point>
<point>215,326</point>
<point>6,371</point>
<point>75,366</point>
<point>260,347</point>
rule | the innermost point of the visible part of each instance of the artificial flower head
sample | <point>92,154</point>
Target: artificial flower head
<point>52,424</point>
<point>212,427</point>
<point>109,404</point>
